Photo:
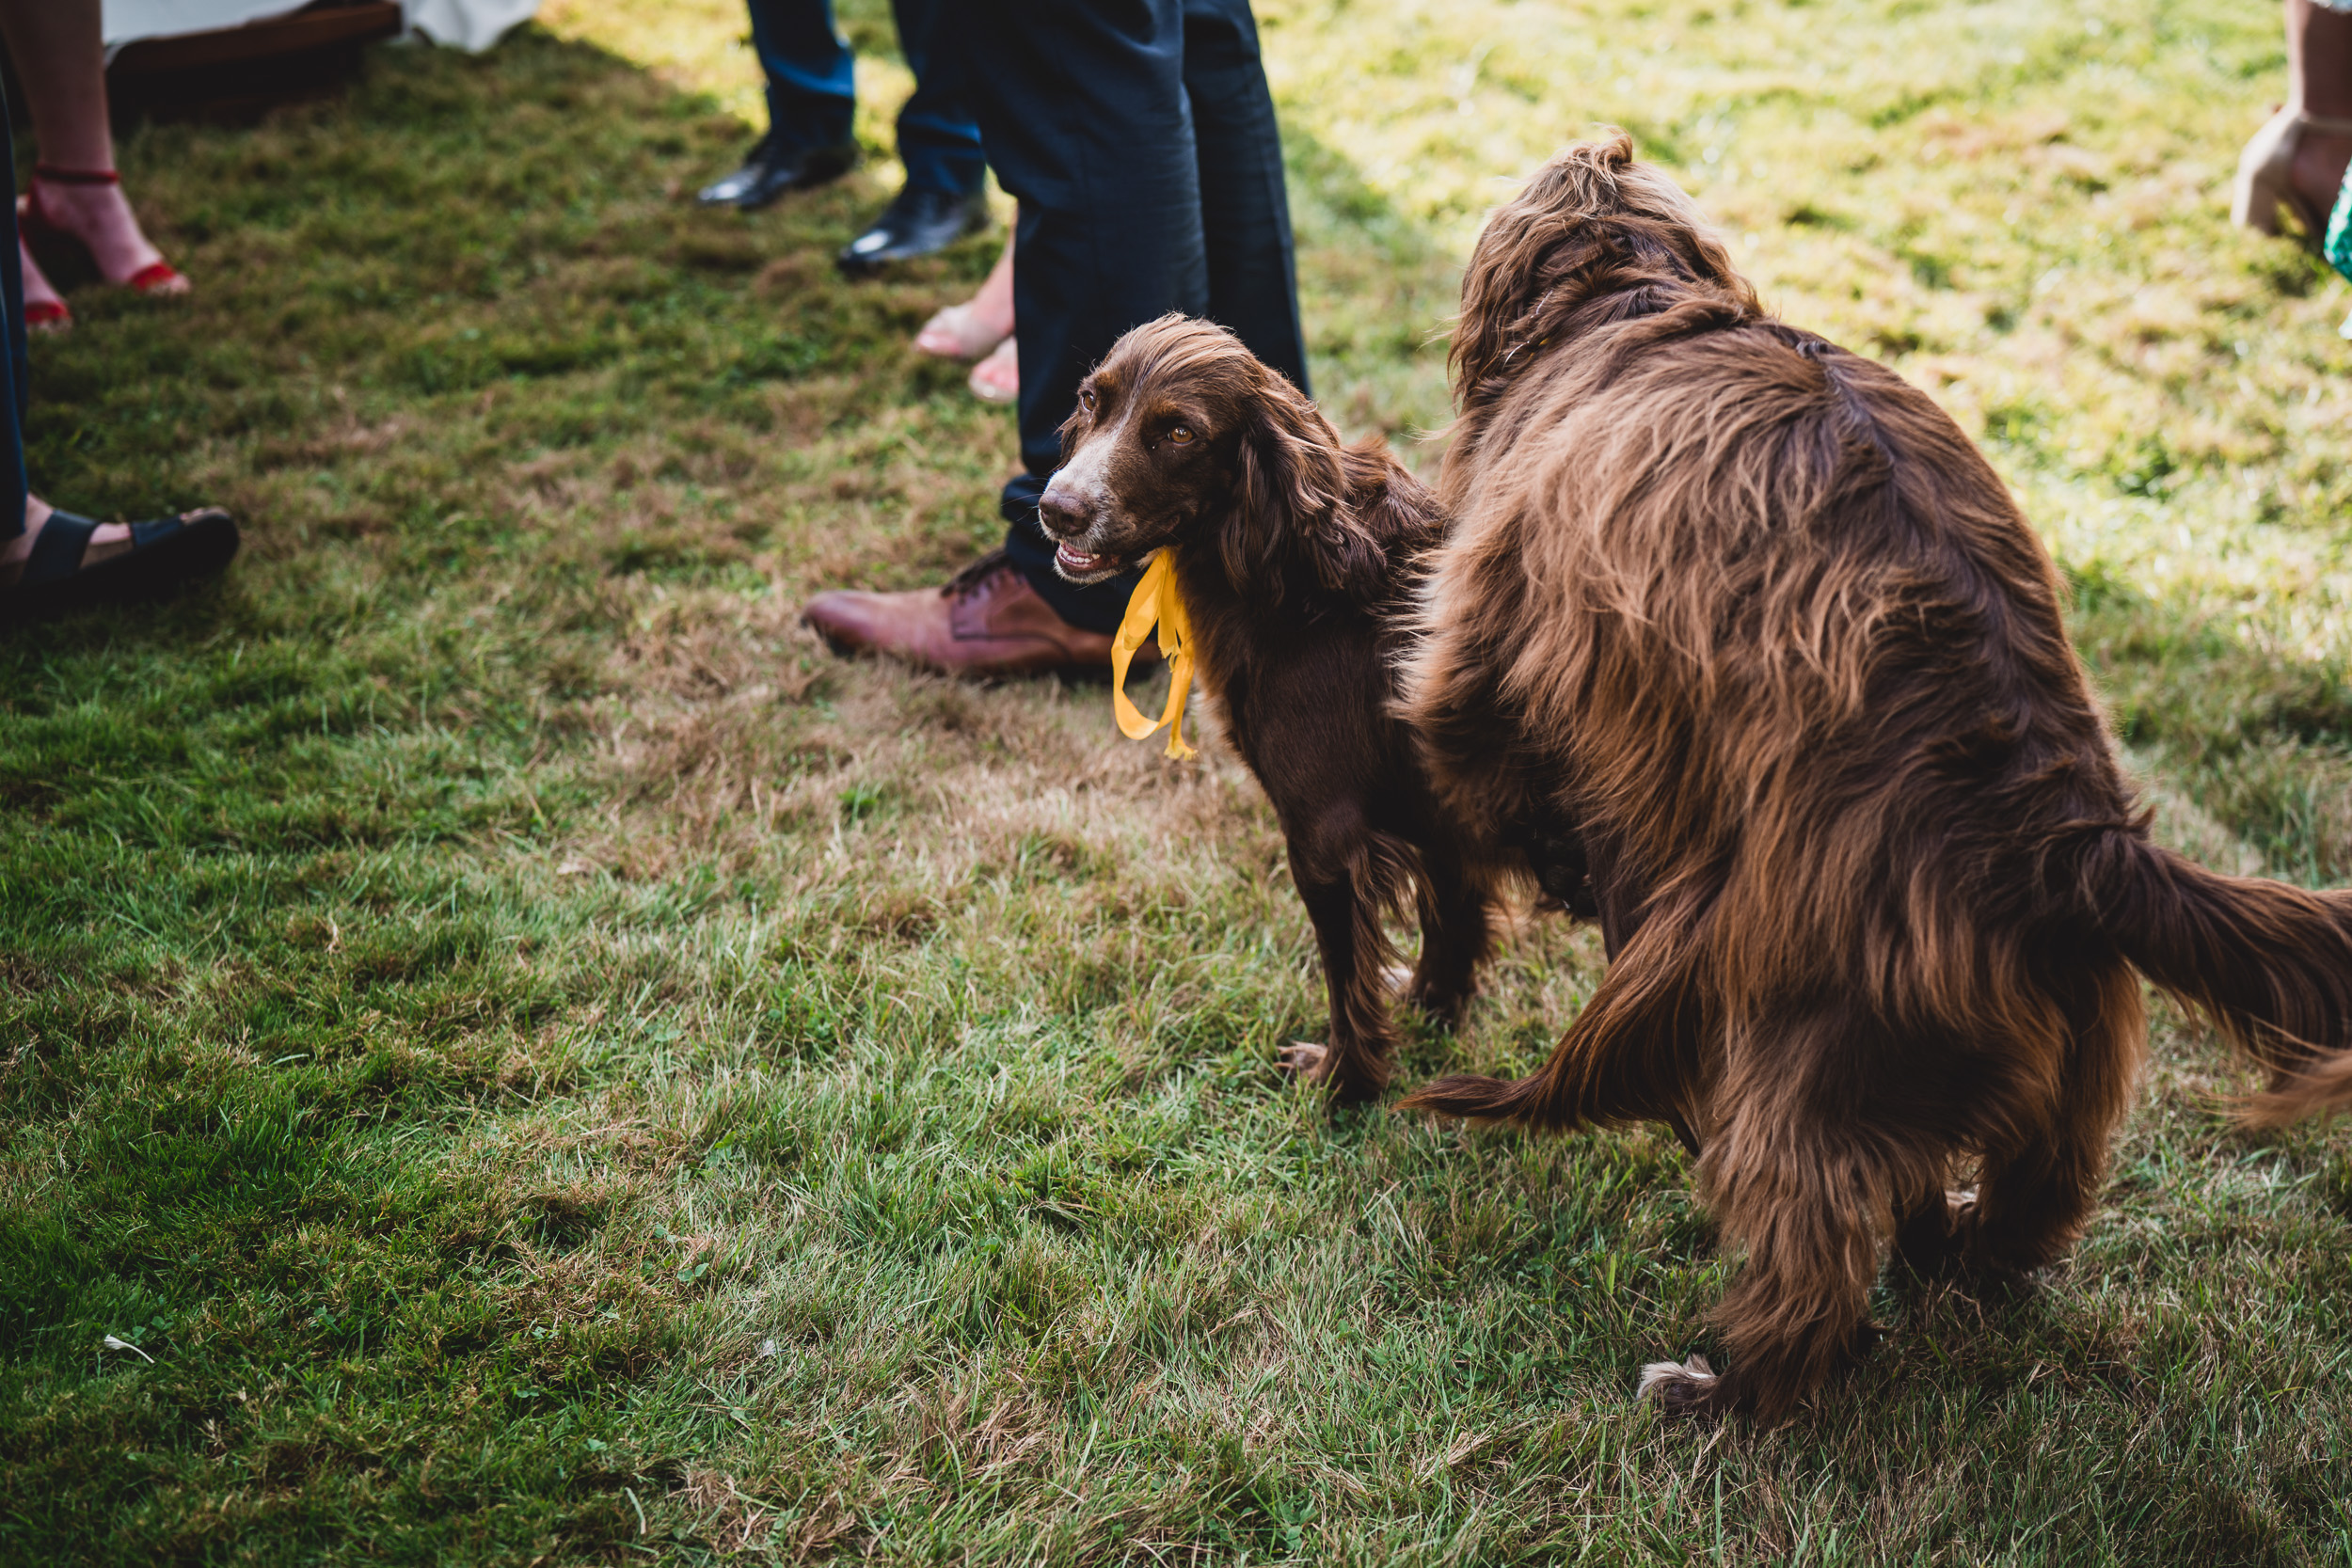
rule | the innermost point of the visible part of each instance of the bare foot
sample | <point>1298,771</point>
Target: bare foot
<point>969,330</point>
<point>44,307</point>
<point>98,215</point>
<point>997,378</point>
<point>111,539</point>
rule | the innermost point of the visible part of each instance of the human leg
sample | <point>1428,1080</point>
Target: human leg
<point>1082,113</point>
<point>812,77</point>
<point>1246,229</point>
<point>1135,248</point>
<point>1086,121</point>
<point>1085,118</point>
<point>939,141</point>
<point>46,557</point>
<point>970,330</point>
<point>2319,74</point>
<point>15,371</point>
<point>1087,115</point>
<point>23,516</point>
<point>2297,159</point>
<point>812,106</point>
<point>61,57</point>
<point>939,145</point>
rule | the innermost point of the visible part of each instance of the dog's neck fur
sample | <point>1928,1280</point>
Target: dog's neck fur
<point>1601,334</point>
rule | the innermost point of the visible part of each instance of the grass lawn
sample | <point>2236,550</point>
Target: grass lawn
<point>545,1065</point>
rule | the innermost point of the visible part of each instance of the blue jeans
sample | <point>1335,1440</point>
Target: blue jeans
<point>812,89</point>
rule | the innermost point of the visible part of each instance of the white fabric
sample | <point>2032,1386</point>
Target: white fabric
<point>473,25</point>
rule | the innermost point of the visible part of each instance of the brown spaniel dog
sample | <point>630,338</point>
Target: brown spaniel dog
<point>1752,620</point>
<point>1293,555</point>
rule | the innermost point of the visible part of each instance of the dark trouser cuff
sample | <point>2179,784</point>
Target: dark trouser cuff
<point>798,120</point>
<point>942,154</point>
<point>955,175</point>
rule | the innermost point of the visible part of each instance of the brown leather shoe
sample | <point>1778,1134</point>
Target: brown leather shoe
<point>987,621</point>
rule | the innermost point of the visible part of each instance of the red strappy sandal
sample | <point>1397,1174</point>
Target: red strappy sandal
<point>44,307</point>
<point>155,276</point>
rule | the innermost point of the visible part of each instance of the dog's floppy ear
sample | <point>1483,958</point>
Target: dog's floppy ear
<point>1290,503</point>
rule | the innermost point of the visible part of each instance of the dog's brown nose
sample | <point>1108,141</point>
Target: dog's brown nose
<point>1062,514</point>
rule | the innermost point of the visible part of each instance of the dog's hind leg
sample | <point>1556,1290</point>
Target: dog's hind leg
<point>2032,1203</point>
<point>1636,1052</point>
<point>1455,936</point>
<point>1796,1179</point>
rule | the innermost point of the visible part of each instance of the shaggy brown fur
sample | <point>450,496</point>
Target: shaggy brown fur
<point>1751,618</point>
<point>1294,556</point>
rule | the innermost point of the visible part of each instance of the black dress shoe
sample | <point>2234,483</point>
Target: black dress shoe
<point>915,223</point>
<point>771,171</point>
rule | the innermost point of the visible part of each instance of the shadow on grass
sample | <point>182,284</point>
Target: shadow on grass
<point>2261,740</point>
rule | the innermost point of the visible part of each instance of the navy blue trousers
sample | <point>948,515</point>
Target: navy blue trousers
<point>812,89</point>
<point>1139,138</point>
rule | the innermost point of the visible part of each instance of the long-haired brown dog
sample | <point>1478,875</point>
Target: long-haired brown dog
<point>1294,558</point>
<point>1751,617</point>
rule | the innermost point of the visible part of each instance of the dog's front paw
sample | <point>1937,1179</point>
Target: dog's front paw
<point>1344,1078</point>
<point>1443,1001</point>
<point>1304,1060</point>
<point>1682,1387</point>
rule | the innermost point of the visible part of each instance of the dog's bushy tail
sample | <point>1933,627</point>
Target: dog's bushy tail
<point>1624,1059</point>
<point>1467,1094</point>
<point>2268,964</point>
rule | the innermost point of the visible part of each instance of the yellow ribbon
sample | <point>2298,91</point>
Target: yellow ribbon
<point>1155,600</point>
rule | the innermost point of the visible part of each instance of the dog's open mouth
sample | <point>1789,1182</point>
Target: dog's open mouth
<point>1079,564</point>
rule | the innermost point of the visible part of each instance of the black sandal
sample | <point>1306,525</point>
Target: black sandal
<point>164,554</point>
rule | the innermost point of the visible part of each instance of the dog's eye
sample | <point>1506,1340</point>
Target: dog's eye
<point>1179,434</point>
<point>1086,398</point>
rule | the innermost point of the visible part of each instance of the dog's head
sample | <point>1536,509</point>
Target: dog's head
<point>1592,224</point>
<point>1181,438</point>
